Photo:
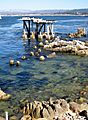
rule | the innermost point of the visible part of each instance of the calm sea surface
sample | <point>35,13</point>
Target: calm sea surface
<point>62,77</point>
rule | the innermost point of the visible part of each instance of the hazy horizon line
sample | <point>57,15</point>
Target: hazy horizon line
<point>40,9</point>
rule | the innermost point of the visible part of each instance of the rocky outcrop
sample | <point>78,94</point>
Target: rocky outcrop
<point>57,109</point>
<point>80,32</point>
<point>77,47</point>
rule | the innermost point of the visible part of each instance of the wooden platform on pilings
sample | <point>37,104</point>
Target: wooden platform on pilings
<point>37,26</point>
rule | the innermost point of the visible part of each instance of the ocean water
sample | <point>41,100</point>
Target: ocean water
<point>61,77</point>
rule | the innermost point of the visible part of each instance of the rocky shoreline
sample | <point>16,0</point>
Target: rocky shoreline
<point>52,109</point>
<point>55,109</point>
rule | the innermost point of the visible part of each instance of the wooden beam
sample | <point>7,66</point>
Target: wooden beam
<point>32,24</point>
<point>36,31</point>
<point>29,29</point>
<point>40,28</point>
<point>44,27</point>
<point>25,26</point>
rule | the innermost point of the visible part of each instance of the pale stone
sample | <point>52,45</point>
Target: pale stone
<point>42,58</point>
<point>52,55</point>
<point>11,62</point>
<point>13,118</point>
<point>46,113</point>
<point>74,107</point>
<point>1,118</point>
<point>26,117</point>
<point>4,96</point>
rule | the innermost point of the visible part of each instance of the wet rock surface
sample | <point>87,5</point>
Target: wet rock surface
<point>4,96</point>
<point>77,47</point>
<point>58,109</point>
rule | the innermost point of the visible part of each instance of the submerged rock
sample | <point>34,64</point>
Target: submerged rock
<point>52,55</point>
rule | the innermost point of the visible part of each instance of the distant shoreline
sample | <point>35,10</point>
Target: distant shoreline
<point>42,15</point>
<point>45,12</point>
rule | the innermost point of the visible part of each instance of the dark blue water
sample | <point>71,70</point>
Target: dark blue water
<point>61,76</point>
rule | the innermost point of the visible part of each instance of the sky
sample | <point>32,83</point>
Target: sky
<point>42,4</point>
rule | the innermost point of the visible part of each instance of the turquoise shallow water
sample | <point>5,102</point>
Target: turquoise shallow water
<point>62,77</point>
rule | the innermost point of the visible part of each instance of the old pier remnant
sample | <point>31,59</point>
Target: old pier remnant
<point>37,28</point>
